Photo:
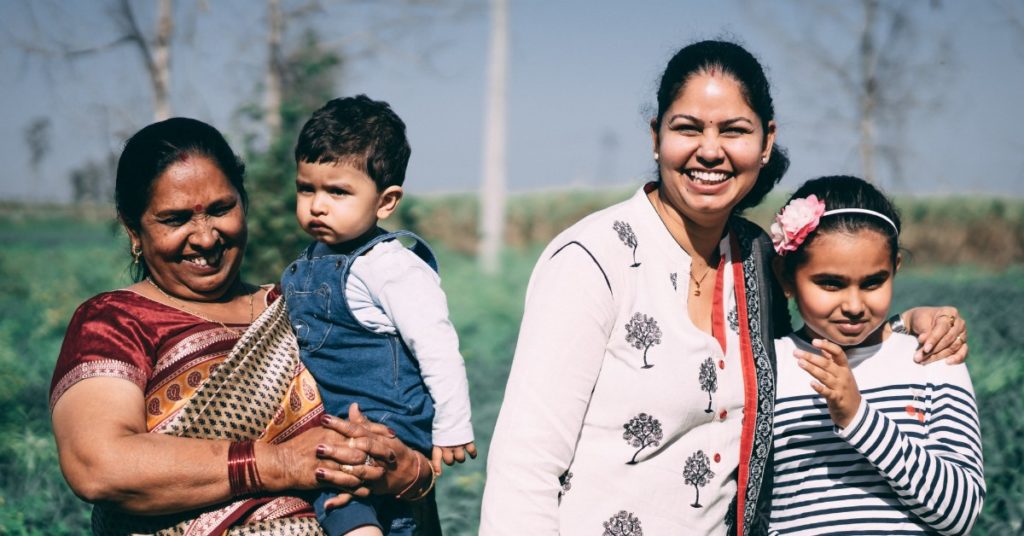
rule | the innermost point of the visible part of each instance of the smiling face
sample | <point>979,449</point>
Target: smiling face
<point>193,231</point>
<point>336,203</point>
<point>710,147</point>
<point>844,288</point>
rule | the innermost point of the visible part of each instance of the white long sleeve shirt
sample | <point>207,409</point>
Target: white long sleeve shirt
<point>392,290</point>
<point>609,422</point>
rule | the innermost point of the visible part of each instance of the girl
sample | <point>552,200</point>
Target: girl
<point>874,443</point>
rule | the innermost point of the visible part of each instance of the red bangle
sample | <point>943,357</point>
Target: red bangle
<point>243,474</point>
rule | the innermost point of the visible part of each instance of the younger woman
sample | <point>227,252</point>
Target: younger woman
<point>866,440</point>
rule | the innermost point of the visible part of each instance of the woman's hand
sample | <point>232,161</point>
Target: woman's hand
<point>368,458</point>
<point>838,385</point>
<point>941,334</point>
<point>341,454</point>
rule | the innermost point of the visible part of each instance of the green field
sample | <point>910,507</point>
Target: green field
<point>51,263</point>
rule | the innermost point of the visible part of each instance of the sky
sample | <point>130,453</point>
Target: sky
<point>582,78</point>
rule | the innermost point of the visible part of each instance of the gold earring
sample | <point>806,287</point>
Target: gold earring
<point>136,252</point>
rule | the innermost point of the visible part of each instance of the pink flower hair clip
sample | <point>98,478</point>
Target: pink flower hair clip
<point>797,220</point>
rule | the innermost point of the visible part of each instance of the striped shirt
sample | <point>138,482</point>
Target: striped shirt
<point>909,463</point>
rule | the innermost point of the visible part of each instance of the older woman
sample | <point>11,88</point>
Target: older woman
<point>179,404</point>
<point>640,398</point>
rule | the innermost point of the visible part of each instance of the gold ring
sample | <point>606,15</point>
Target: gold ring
<point>959,338</point>
<point>952,319</point>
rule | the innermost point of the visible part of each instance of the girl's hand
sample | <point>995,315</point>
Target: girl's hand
<point>838,385</point>
<point>941,334</point>
<point>450,455</point>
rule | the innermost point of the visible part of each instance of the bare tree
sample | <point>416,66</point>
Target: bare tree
<point>154,50</point>
<point>492,191</point>
<point>642,431</point>
<point>1012,12</point>
<point>873,54</point>
<point>37,138</point>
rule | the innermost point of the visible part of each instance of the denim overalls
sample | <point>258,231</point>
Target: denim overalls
<point>353,364</point>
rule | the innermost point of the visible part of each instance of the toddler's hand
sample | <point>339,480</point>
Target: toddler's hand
<point>838,385</point>
<point>450,455</point>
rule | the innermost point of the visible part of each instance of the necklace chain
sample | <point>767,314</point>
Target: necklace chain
<point>699,281</point>
<point>181,305</point>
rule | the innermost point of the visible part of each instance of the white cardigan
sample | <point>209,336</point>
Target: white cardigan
<point>607,296</point>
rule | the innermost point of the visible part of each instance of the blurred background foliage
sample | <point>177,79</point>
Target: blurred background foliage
<point>56,257</point>
<point>964,252</point>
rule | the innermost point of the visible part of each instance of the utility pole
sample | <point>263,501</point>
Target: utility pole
<point>492,191</point>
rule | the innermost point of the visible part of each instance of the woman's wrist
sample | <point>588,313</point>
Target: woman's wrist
<point>274,476</point>
<point>422,483</point>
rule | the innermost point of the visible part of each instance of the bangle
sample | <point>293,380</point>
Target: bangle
<point>414,480</point>
<point>425,492</point>
<point>897,325</point>
<point>243,474</point>
<point>422,493</point>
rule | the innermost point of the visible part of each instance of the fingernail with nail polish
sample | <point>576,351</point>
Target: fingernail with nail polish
<point>321,474</point>
<point>392,432</point>
<point>326,419</point>
<point>321,450</point>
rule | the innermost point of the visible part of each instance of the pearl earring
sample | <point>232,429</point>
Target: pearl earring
<point>655,157</point>
<point>764,160</point>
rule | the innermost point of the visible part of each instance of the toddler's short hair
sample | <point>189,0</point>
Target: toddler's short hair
<point>360,132</point>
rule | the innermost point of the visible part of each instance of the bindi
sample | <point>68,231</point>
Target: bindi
<point>197,208</point>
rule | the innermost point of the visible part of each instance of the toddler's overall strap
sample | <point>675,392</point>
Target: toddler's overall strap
<point>419,247</point>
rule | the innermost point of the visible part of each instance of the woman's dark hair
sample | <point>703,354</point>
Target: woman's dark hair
<point>843,191</point>
<point>150,151</point>
<point>357,131</point>
<point>742,66</point>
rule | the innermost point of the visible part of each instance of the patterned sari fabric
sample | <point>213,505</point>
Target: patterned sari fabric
<point>206,382</point>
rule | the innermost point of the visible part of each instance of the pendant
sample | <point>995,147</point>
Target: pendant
<point>696,292</point>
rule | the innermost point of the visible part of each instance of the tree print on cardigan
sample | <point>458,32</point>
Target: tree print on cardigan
<point>643,332</point>
<point>623,524</point>
<point>708,380</point>
<point>698,473</point>
<point>674,277</point>
<point>628,238</point>
<point>734,320</point>
<point>566,482</point>
<point>642,431</point>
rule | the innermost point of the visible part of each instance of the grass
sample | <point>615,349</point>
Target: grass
<point>51,263</point>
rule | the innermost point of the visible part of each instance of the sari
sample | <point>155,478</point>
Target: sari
<point>206,381</point>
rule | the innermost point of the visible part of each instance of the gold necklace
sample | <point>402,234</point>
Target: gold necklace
<point>181,306</point>
<point>698,281</point>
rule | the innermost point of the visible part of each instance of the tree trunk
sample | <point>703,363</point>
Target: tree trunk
<point>635,454</point>
<point>492,192</point>
<point>160,71</point>
<point>156,57</point>
<point>696,502</point>
<point>869,90</point>
<point>274,75</point>
<point>709,403</point>
<point>645,358</point>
